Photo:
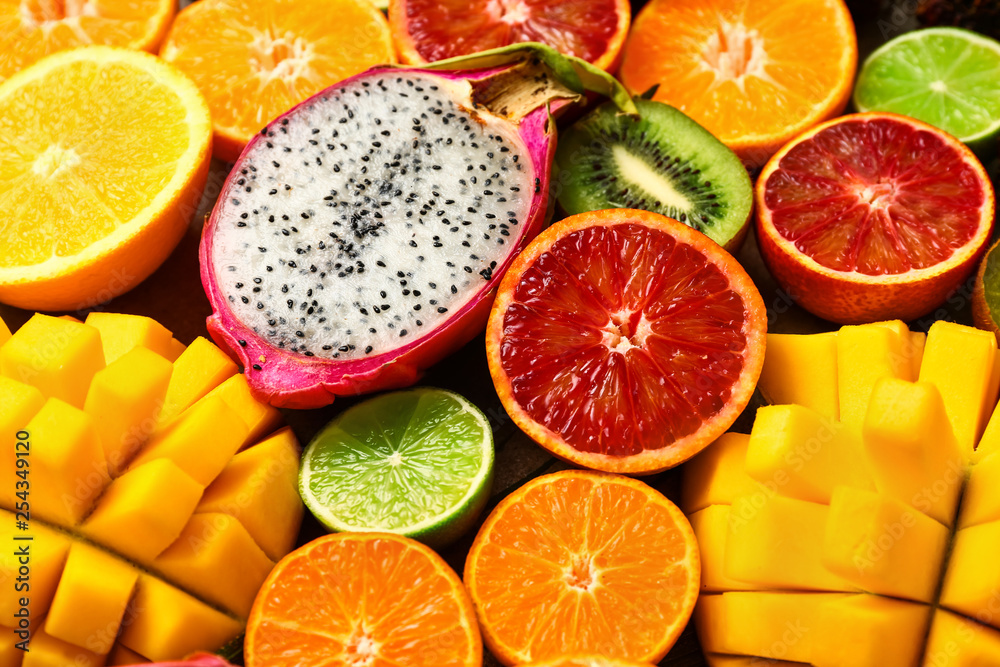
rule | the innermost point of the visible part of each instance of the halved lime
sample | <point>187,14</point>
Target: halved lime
<point>417,462</point>
<point>943,76</point>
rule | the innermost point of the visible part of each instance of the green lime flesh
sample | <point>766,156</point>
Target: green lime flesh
<point>417,462</point>
<point>660,161</point>
<point>947,77</point>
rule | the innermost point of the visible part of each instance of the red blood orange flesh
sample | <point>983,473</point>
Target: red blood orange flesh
<point>625,341</point>
<point>428,30</point>
<point>873,217</point>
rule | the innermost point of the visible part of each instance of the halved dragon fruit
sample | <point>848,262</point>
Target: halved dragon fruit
<point>360,237</point>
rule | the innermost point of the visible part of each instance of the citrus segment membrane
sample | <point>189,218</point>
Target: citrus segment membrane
<point>942,76</point>
<point>623,339</point>
<point>875,196</point>
<point>401,462</point>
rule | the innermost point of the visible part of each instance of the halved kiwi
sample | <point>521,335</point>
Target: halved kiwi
<point>660,161</point>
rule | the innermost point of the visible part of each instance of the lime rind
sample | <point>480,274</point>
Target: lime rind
<point>943,76</point>
<point>417,463</point>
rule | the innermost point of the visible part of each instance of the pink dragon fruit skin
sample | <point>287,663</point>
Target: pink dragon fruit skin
<point>292,379</point>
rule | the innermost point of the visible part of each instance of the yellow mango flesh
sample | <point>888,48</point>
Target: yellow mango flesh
<point>121,524</point>
<point>90,601</point>
<point>959,642</point>
<point>35,580</point>
<point>121,333</point>
<point>200,368</point>
<point>868,630</point>
<point>124,401</point>
<point>131,516</point>
<point>911,517</point>
<point>4,332</point>
<point>801,370</point>
<point>717,660</point>
<point>259,488</point>
<point>883,546</point>
<point>67,461</point>
<point>10,654</point>
<point>57,356</point>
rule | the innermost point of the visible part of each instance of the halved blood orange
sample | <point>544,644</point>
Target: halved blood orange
<point>353,599</point>
<point>579,561</point>
<point>429,30</point>
<point>873,217</point>
<point>625,341</point>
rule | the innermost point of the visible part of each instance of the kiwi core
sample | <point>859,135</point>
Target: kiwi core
<point>649,179</point>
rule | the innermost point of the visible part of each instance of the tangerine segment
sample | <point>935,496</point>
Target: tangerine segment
<point>429,30</point>
<point>579,561</point>
<point>876,196</point>
<point>373,599</point>
<point>626,341</point>
<point>33,29</point>
<point>255,60</point>
<point>752,72</point>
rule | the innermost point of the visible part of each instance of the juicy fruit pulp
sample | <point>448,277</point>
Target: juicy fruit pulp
<point>588,661</point>
<point>661,161</point>
<point>625,341</point>
<point>417,463</point>
<point>942,76</point>
<point>426,31</point>
<point>94,206</point>
<point>256,59</point>
<point>883,502</point>
<point>159,498</point>
<point>754,74</point>
<point>360,237</point>
<point>889,209</point>
<point>33,29</point>
<point>551,574</point>
<point>363,598</point>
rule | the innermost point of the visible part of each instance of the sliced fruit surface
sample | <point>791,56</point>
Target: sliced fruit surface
<point>754,74</point>
<point>418,463</point>
<point>105,155</point>
<point>872,217</point>
<point>363,598</point>
<point>880,563</point>
<point>587,661</point>
<point>942,76</point>
<point>661,161</point>
<point>426,30</point>
<point>256,59</point>
<point>625,341</point>
<point>149,536</point>
<point>33,29</point>
<point>583,562</point>
<point>986,292</point>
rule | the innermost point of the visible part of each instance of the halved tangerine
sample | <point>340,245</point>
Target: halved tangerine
<point>429,30</point>
<point>625,341</point>
<point>580,561</point>
<point>873,217</point>
<point>353,599</point>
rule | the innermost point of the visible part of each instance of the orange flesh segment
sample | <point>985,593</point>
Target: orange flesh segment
<point>347,598</point>
<point>739,67</point>
<point>555,573</point>
<point>444,29</point>
<point>62,168</point>
<point>876,196</point>
<point>621,339</point>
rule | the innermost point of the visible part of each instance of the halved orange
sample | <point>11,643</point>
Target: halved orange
<point>587,661</point>
<point>579,561</point>
<point>753,72</point>
<point>33,29</point>
<point>104,154</point>
<point>625,341</point>
<point>362,599</point>
<point>429,30</point>
<point>256,59</point>
<point>873,217</point>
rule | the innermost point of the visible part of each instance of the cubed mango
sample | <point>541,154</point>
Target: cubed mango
<point>121,333</point>
<point>801,370</point>
<point>718,475</point>
<point>200,368</point>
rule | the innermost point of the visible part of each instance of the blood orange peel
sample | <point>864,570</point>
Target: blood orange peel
<point>625,341</point>
<point>872,217</point>
<point>429,30</point>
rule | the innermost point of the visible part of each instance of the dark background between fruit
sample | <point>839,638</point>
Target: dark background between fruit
<point>174,296</point>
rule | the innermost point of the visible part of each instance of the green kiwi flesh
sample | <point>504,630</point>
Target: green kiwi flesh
<point>660,161</point>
